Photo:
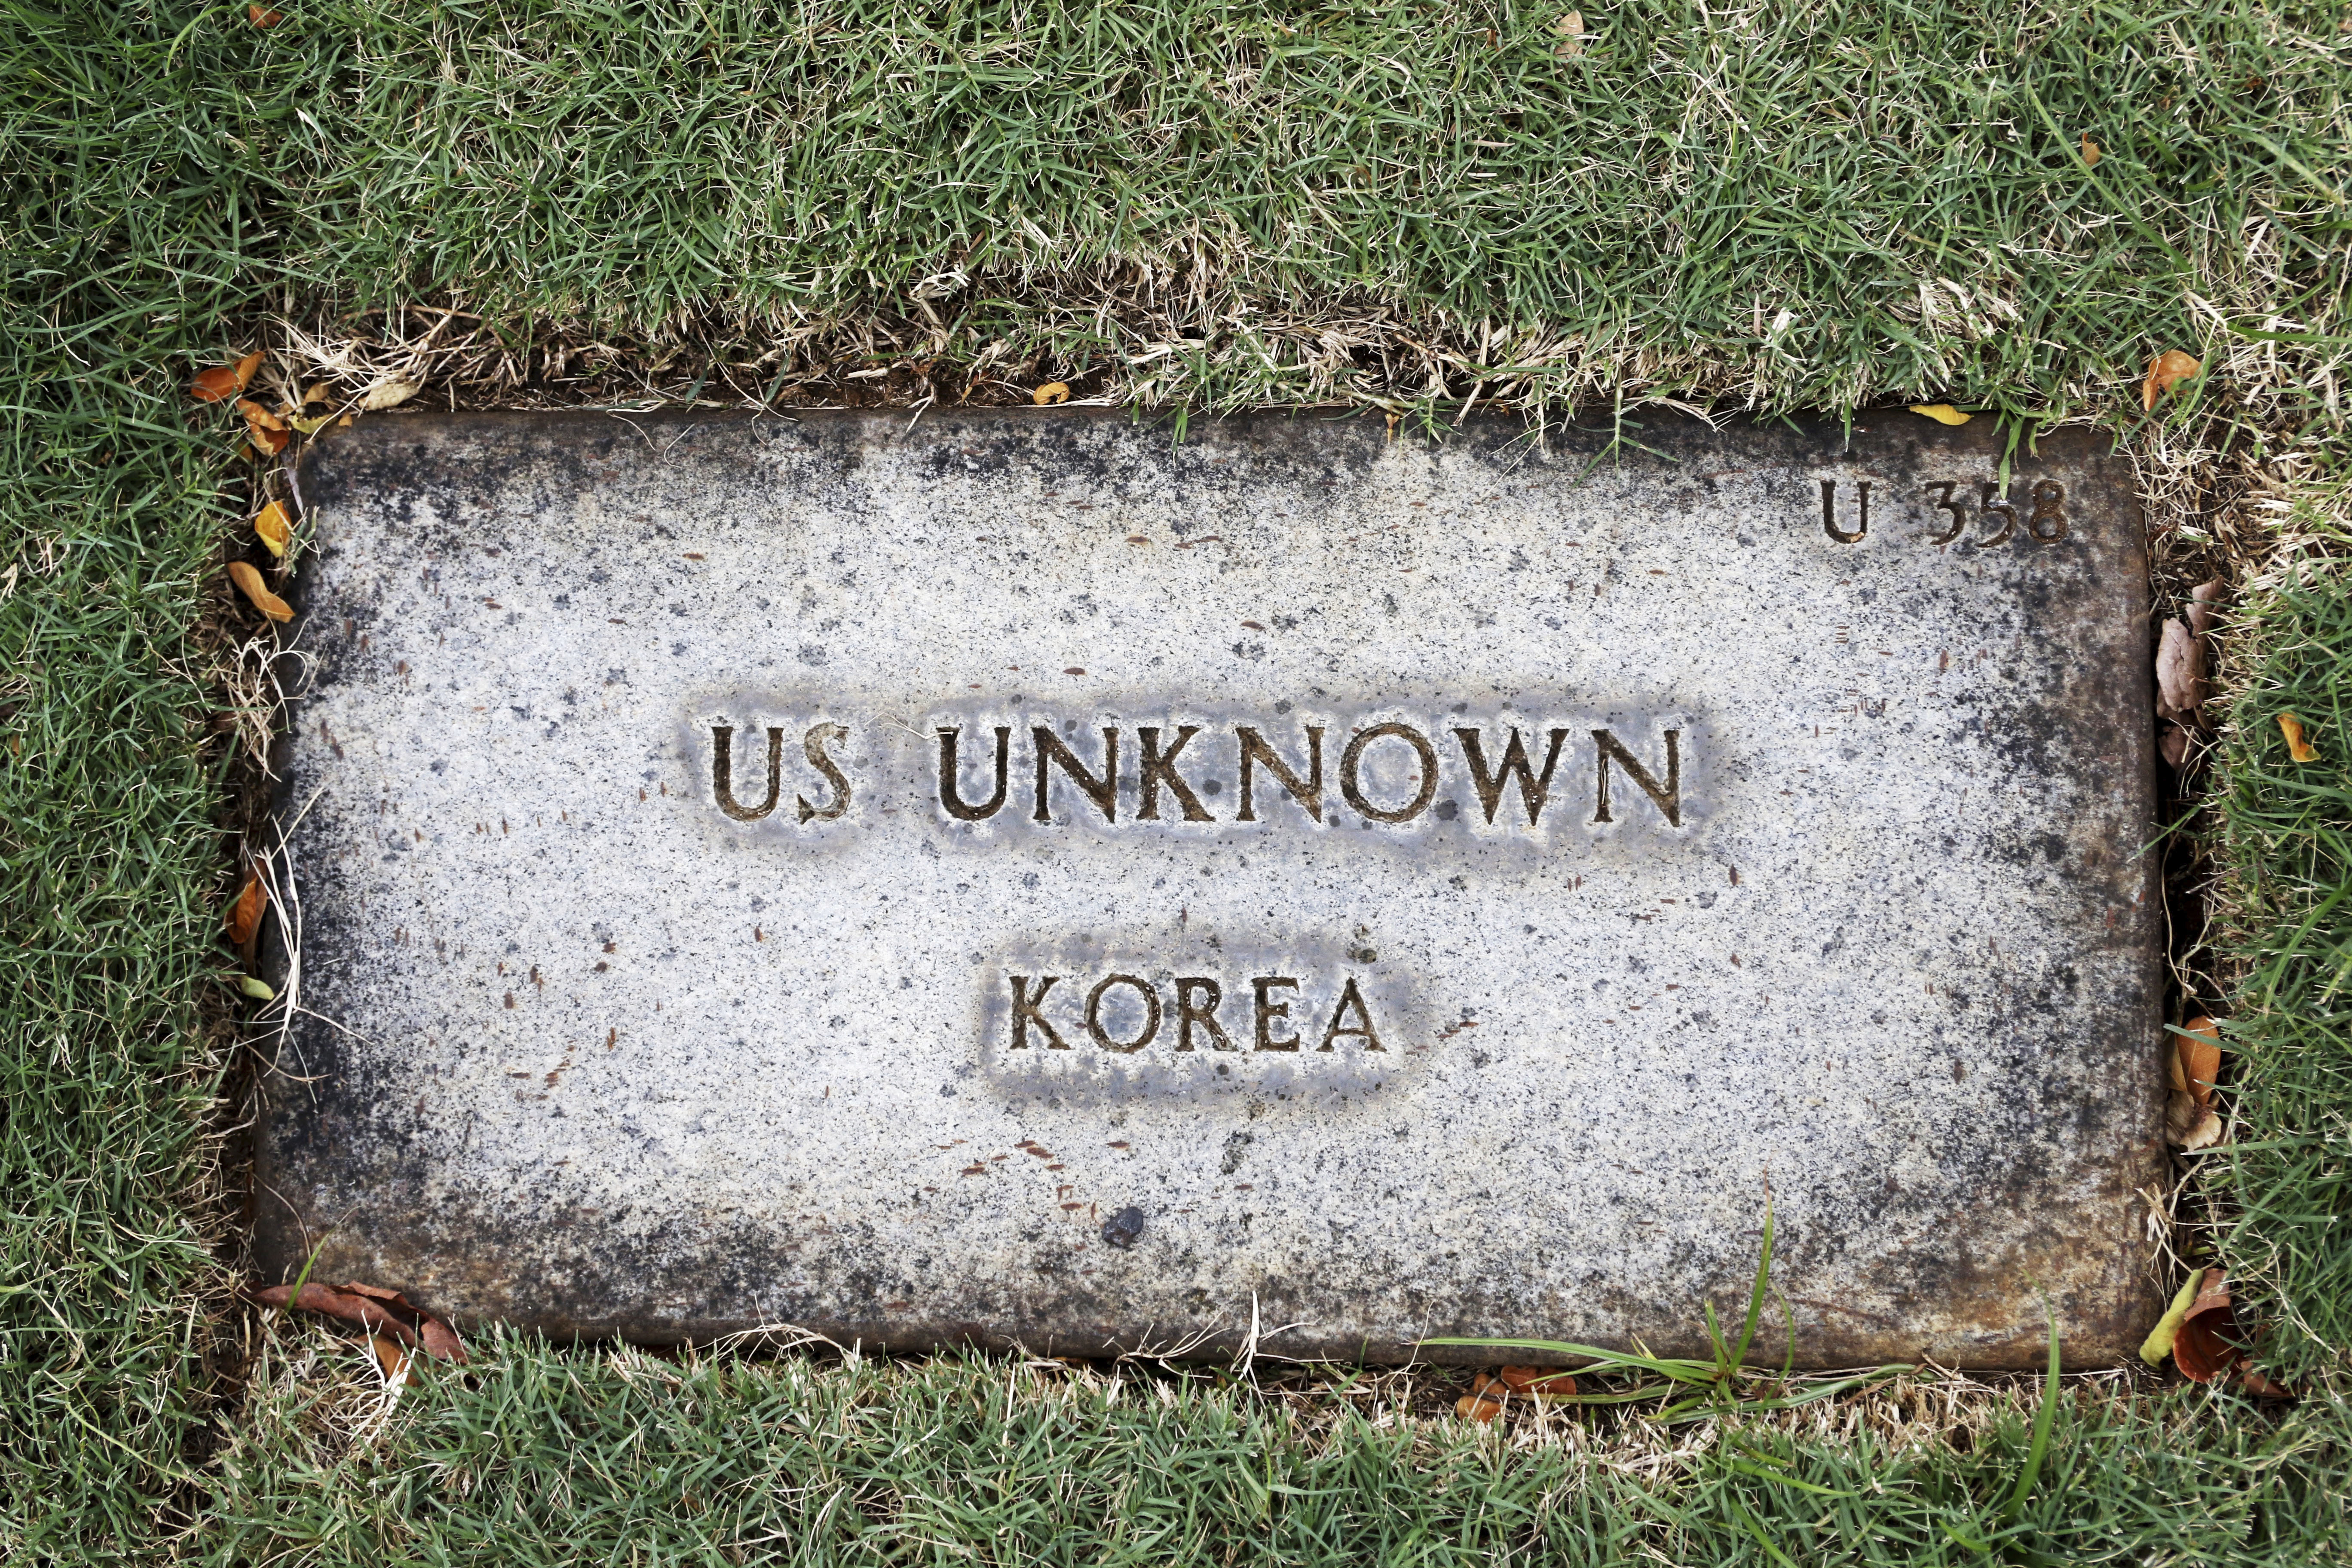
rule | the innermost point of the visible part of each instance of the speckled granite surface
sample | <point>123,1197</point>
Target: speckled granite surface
<point>1308,997</point>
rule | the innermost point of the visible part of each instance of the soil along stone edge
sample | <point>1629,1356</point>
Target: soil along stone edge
<point>1018,879</point>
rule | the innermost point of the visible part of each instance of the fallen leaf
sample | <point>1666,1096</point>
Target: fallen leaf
<point>2204,1341</point>
<point>1537,1380</point>
<point>269,527</point>
<point>262,17</point>
<point>2201,600</point>
<point>2158,1343</point>
<point>1051,393</point>
<point>2091,153</point>
<point>2179,671</point>
<point>1570,28</point>
<point>311,424</point>
<point>2301,750</point>
<point>378,1310</point>
<point>395,1364</point>
<point>265,429</point>
<point>1942,413</point>
<point>2173,744</point>
<point>2197,1052</point>
<point>249,583</point>
<point>2204,1127</point>
<point>245,915</point>
<point>258,989</point>
<point>315,394</point>
<point>389,393</point>
<point>1471,1407</point>
<point>225,380</point>
<point>2165,371</point>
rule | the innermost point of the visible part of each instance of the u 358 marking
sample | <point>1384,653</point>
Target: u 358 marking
<point>2045,523</point>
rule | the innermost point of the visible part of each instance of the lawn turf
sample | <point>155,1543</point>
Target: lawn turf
<point>1208,204</point>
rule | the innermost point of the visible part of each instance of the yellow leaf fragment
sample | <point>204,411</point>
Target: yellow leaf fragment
<point>249,583</point>
<point>2301,750</point>
<point>270,527</point>
<point>1942,413</point>
<point>311,424</point>
<point>2158,1343</point>
<point>2165,371</point>
<point>2090,152</point>
<point>1051,393</point>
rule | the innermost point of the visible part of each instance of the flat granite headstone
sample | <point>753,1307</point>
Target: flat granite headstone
<point>1022,877</point>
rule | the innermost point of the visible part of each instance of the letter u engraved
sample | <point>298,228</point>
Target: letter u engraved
<point>722,773</point>
<point>952,798</point>
<point>1860,512</point>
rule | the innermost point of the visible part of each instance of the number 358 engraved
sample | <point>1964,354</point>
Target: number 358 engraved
<point>1997,514</point>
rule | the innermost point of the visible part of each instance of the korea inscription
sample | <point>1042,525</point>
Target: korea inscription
<point>1020,877</point>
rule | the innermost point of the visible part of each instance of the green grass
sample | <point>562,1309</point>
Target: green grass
<point>1205,204</point>
<point>626,1458</point>
<point>2290,843</point>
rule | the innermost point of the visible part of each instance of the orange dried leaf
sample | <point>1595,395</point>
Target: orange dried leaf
<point>396,1364</point>
<point>1537,1380</point>
<point>270,528</point>
<point>268,431</point>
<point>262,17</point>
<point>2301,750</point>
<point>225,380</point>
<point>2199,1050</point>
<point>1471,1407</point>
<point>1052,392</point>
<point>2165,371</point>
<point>249,583</point>
<point>2090,152</point>
<point>245,915</point>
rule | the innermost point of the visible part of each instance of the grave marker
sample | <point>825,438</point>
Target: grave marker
<point>1016,876</point>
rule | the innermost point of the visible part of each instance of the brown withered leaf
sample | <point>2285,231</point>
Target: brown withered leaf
<point>2301,750</point>
<point>270,527</point>
<point>2200,1125</point>
<point>262,17</point>
<point>245,915</point>
<point>2173,744</point>
<point>2198,1051</point>
<point>2179,671</point>
<point>224,381</point>
<point>1550,1382</point>
<point>1473,1407</point>
<point>2092,152</point>
<point>2165,371</point>
<point>2201,600</point>
<point>249,583</point>
<point>1570,28</point>
<point>2207,1345</point>
<point>1051,393</point>
<point>374,1309</point>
